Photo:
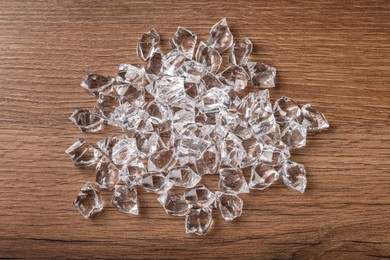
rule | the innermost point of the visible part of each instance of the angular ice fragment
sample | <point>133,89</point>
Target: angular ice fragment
<point>88,201</point>
<point>239,52</point>
<point>95,83</point>
<point>190,149</point>
<point>293,135</point>
<point>192,71</point>
<point>124,151</point>
<point>172,61</point>
<point>185,41</point>
<point>210,58</point>
<point>165,131</point>
<point>83,154</point>
<point>229,205</point>
<point>105,105</point>
<point>183,176</point>
<point>169,90</point>
<point>147,143</point>
<point>214,100</point>
<point>234,76</point>
<point>286,109</point>
<point>232,151</point>
<point>253,150</point>
<point>86,120</point>
<point>154,64</point>
<point>199,196</point>
<point>147,45</point>
<point>274,154</point>
<point>220,36</point>
<point>157,112</point>
<point>199,221</point>
<point>209,162</point>
<point>129,93</point>
<point>162,160</point>
<point>106,144</point>
<point>136,76</point>
<point>294,176</point>
<point>174,204</point>
<point>312,119</point>
<point>262,75</point>
<point>154,182</point>
<point>125,199</point>
<point>107,175</point>
<point>262,176</point>
<point>132,172</point>
<point>232,180</point>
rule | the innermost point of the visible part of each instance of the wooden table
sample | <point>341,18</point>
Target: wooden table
<point>335,55</point>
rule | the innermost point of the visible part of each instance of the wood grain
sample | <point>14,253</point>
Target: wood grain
<point>334,54</point>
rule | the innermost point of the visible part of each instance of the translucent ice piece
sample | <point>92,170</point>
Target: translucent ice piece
<point>169,90</point>
<point>125,199</point>
<point>209,162</point>
<point>262,176</point>
<point>232,151</point>
<point>106,144</point>
<point>185,41</point>
<point>155,63</point>
<point>95,83</point>
<point>190,149</point>
<point>147,143</point>
<point>124,151</point>
<point>155,182</point>
<point>274,155</point>
<point>172,61</point>
<point>214,100</point>
<point>148,43</point>
<point>107,175</point>
<point>105,105</point>
<point>262,75</point>
<point>183,176</point>
<point>174,204</point>
<point>234,76</point>
<point>129,93</point>
<point>192,71</point>
<point>199,196</point>
<point>229,205</point>
<point>199,221</point>
<point>240,51</point>
<point>162,160</point>
<point>286,109</point>
<point>166,134</point>
<point>294,176</point>
<point>220,36</point>
<point>83,154</point>
<point>253,150</point>
<point>157,112</point>
<point>232,180</point>
<point>89,201</point>
<point>293,135</point>
<point>210,58</point>
<point>130,74</point>
<point>256,104</point>
<point>312,118</point>
<point>132,172</point>
<point>86,120</point>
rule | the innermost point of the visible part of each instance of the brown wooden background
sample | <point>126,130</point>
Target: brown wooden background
<point>333,54</point>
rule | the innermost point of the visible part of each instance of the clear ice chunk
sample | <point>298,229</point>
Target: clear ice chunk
<point>125,199</point>
<point>154,64</point>
<point>274,154</point>
<point>124,151</point>
<point>174,204</point>
<point>89,201</point>
<point>210,58</point>
<point>86,120</point>
<point>185,41</point>
<point>235,77</point>
<point>220,37</point>
<point>162,160</point>
<point>208,163</point>
<point>169,90</point>
<point>262,75</point>
<point>214,100</point>
<point>130,74</point>
<point>294,176</point>
<point>286,109</point>
<point>253,149</point>
<point>192,71</point>
<point>107,175</point>
<point>167,137</point>
<point>148,43</point>
<point>157,112</point>
<point>147,143</point>
<point>239,52</point>
<point>229,205</point>
<point>199,221</point>
<point>183,176</point>
<point>106,144</point>
<point>129,93</point>
<point>262,176</point>
<point>96,83</point>
<point>154,182</point>
<point>293,135</point>
<point>232,151</point>
<point>199,196</point>
<point>172,61</point>
<point>105,105</point>
<point>132,172</point>
<point>83,154</point>
<point>312,119</point>
<point>232,180</point>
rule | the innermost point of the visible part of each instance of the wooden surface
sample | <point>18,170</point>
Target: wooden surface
<point>333,54</point>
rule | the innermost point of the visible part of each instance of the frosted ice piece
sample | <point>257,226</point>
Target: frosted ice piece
<point>190,149</point>
<point>199,221</point>
<point>83,154</point>
<point>192,71</point>
<point>157,112</point>
<point>235,77</point>
<point>229,205</point>
<point>294,176</point>
<point>312,119</point>
<point>154,182</point>
<point>172,61</point>
<point>130,74</point>
<point>183,176</point>
<point>262,176</point>
<point>239,52</point>
<point>210,58</point>
<point>148,43</point>
<point>220,37</point>
<point>253,150</point>
<point>106,144</point>
<point>125,199</point>
<point>107,175</point>
<point>185,41</point>
<point>154,64</point>
<point>262,75</point>
<point>232,180</point>
<point>132,95</point>
<point>274,155</point>
<point>162,160</point>
<point>124,151</point>
<point>232,151</point>
<point>286,109</point>
<point>95,83</point>
<point>214,100</point>
<point>293,135</point>
<point>105,105</point>
<point>89,201</point>
<point>174,204</point>
<point>209,162</point>
<point>132,172</point>
<point>169,90</point>
<point>199,196</point>
<point>86,120</point>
